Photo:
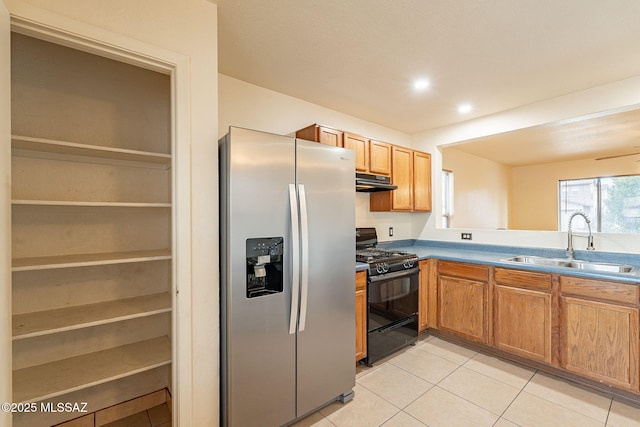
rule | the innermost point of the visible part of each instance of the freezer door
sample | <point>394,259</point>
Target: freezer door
<point>258,352</point>
<point>326,333</point>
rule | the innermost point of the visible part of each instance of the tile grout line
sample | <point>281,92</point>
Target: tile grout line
<point>553,403</point>
<point>394,405</point>
<point>413,375</point>
<point>443,389</point>
<point>503,361</point>
<point>434,355</point>
<point>515,398</point>
<point>608,413</point>
<point>463,365</point>
<point>408,414</point>
<point>573,385</point>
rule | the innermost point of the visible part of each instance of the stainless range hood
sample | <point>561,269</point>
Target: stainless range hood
<point>368,183</point>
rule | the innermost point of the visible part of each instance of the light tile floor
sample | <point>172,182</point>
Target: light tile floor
<point>437,383</point>
<point>158,416</point>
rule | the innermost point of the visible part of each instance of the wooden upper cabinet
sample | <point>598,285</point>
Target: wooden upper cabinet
<point>330,137</point>
<point>322,134</point>
<point>411,172</point>
<point>379,158</point>
<point>421,181</point>
<point>402,169</point>
<point>371,156</point>
<point>360,145</point>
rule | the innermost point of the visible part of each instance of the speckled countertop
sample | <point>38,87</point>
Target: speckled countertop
<point>496,255</point>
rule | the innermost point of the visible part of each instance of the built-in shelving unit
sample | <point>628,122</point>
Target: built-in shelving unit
<point>92,223</point>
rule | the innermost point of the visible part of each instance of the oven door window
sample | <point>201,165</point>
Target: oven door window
<point>392,300</point>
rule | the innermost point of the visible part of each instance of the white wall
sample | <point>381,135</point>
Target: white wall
<point>618,95</point>
<point>481,190</point>
<point>187,28</point>
<point>246,105</point>
<point>535,195</point>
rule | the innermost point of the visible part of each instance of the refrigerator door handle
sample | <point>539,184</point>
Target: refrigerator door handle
<point>304,242</point>
<point>295,250</point>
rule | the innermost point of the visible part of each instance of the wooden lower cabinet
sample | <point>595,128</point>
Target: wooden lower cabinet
<point>600,339</point>
<point>523,322</point>
<point>522,313</point>
<point>462,300</point>
<point>361,315</point>
<point>428,303</point>
<point>423,302</point>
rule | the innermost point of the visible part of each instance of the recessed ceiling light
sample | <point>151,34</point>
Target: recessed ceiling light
<point>421,84</point>
<point>464,108</point>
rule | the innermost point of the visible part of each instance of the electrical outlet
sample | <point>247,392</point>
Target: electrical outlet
<point>390,231</point>
<point>465,236</point>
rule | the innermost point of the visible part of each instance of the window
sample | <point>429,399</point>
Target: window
<point>611,203</point>
<point>447,199</point>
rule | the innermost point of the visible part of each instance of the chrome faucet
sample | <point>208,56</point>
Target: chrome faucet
<point>570,235</point>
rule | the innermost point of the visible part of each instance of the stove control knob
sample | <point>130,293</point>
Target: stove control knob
<point>408,263</point>
<point>382,267</point>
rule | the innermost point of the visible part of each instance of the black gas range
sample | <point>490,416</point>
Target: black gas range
<point>392,296</point>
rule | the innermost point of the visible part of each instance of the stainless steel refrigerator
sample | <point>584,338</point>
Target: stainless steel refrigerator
<point>287,211</point>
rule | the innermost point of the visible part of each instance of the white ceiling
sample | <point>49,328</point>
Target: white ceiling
<point>595,137</point>
<point>360,56</point>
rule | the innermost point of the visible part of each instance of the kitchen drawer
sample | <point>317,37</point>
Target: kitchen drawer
<point>523,279</point>
<point>599,290</point>
<point>468,271</point>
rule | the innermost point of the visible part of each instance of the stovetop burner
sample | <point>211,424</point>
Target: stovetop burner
<point>381,260</point>
<point>376,254</point>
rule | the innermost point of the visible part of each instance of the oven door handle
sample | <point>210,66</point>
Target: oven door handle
<point>393,326</point>
<point>394,275</point>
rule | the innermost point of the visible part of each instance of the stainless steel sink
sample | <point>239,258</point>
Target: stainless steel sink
<point>601,266</point>
<point>576,264</point>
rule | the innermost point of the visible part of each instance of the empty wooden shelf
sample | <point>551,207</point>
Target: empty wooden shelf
<point>64,376</point>
<point>42,145</point>
<point>30,325</point>
<point>81,260</point>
